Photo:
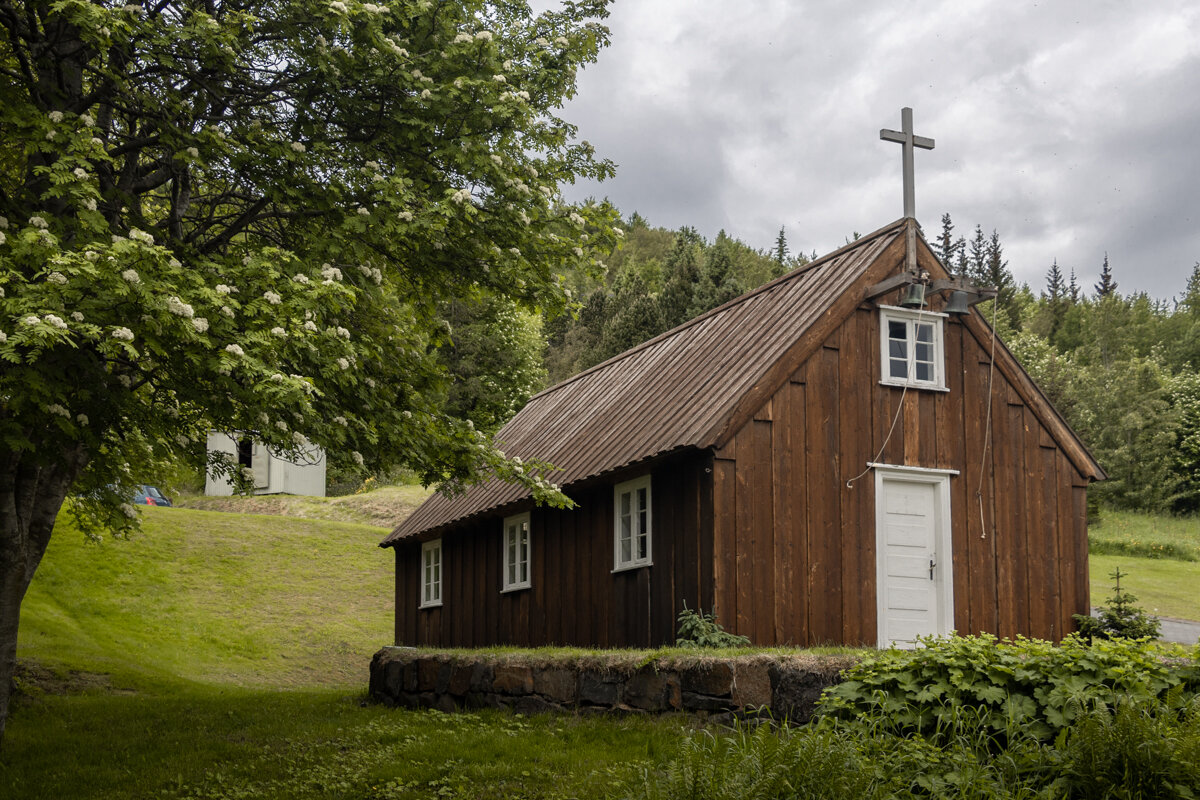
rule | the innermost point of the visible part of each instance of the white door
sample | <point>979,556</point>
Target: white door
<point>260,465</point>
<point>914,580</point>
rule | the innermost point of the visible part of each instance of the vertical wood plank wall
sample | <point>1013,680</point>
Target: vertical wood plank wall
<point>574,597</point>
<point>794,559</point>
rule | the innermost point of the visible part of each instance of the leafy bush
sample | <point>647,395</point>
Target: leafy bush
<point>697,629</point>
<point>1009,687</point>
<point>1120,619</point>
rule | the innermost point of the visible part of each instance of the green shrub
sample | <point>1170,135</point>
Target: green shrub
<point>1025,686</point>
<point>1119,619</point>
<point>697,629</point>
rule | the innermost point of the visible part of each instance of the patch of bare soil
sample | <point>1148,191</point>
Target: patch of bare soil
<point>32,681</point>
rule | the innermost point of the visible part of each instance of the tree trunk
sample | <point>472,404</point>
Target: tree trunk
<point>31,495</point>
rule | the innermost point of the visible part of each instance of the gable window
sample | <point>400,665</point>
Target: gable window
<point>516,552</point>
<point>631,518</point>
<point>911,348</point>
<point>431,574</point>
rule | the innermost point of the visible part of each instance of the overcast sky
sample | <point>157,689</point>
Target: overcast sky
<point>1072,128</point>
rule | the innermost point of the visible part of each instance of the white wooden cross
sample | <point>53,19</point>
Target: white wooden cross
<point>906,138</point>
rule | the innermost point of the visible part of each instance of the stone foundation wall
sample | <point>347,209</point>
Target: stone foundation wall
<point>785,686</point>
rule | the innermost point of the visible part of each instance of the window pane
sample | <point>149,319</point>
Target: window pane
<point>924,372</point>
<point>898,368</point>
<point>924,352</point>
<point>897,349</point>
<point>625,502</point>
<point>626,548</point>
<point>641,539</point>
<point>897,330</point>
<point>642,526</point>
<point>512,572</point>
<point>924,332</point>
<point>641,499</point>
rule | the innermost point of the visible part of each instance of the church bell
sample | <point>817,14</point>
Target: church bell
<point>958,303</point>
<point>914,296</point>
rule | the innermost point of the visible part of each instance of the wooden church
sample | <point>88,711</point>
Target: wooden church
<point>824,460</point>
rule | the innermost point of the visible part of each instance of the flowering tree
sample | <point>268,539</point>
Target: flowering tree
<point>244,215</point>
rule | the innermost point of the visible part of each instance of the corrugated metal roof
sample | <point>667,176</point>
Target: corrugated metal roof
<point>668,393</point>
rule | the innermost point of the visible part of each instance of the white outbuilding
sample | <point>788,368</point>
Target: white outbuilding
<point>272,473</point>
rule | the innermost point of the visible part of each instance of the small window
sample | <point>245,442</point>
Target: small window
<point>911,348</point>
<point>431,574</point>
<point>631,518</point>
<point>245,447</point>
<point>516,553</point>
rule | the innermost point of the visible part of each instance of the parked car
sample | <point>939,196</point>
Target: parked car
<point>150,496</point>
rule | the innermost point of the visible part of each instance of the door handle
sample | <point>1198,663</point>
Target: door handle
<point>932,564</point>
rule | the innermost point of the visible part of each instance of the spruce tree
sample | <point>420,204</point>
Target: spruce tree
<point>1073,288</point>
<point>717,284</point>
<point>948,247</point>
<point>977,268</point>
<point>1055,290</point>
<point>1106,286</point>
<point>962,267</point>
<point>780,253</point>
<point>682,273</point>
<point>1056,300</point>
<point>995,273</point>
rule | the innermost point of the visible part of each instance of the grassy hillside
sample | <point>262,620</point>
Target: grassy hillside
<point>209,597</point>
<point>224,655</point>
<point>384,507</point>
<point>1130,533</point>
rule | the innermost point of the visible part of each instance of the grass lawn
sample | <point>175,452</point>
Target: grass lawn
<point>208,742</point>
<point>1164,587</point>
<point>1146,535</point>
<point>223,655</point>
<point>385,506</point>
<point>229,599</point>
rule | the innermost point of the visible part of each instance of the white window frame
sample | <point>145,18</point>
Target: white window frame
<point>631,489</point>
<point>517,571</point>
<point>432,573</point>
<point>910,318</point>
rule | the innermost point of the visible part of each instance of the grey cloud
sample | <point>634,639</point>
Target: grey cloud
<point>1068,127</point>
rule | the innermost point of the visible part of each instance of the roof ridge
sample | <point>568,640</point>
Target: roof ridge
<point>769,285</point>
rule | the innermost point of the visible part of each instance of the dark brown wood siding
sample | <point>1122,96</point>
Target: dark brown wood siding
<point>575,598</point>
<point>794,546</point>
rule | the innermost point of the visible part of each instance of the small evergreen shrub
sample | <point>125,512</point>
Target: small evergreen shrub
<point>697,629</point>
<point>1120,619</point>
